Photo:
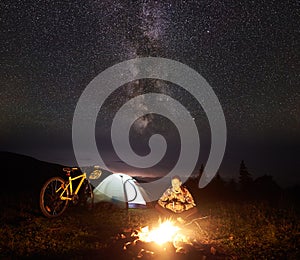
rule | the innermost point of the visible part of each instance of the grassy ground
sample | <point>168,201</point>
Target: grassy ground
<point>234,230</point>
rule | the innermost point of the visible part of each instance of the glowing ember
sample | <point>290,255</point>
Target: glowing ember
<point>165,232</point>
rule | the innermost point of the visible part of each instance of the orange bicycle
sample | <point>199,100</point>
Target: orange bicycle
<point>57,192</point>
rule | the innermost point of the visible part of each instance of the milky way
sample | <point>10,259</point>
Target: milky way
<point>246,50</point>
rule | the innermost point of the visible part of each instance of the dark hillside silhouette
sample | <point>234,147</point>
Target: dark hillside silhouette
<point>23,176</point>
<point>24,172</point>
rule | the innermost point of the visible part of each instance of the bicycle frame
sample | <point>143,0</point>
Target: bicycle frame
<point>70,197</point>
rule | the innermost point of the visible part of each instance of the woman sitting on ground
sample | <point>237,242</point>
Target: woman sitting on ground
<point>176,202</point>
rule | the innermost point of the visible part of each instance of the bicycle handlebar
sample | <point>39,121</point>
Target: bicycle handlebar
<point>67,169</point>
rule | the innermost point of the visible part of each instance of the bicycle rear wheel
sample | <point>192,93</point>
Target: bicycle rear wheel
<point>51,204</point>
<point>87,195</point>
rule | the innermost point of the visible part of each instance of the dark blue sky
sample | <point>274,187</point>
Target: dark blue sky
<point>246,50</point>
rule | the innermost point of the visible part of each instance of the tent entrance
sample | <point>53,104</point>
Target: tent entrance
<point>121,189</point>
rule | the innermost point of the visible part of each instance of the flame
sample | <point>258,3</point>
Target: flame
<point>165,232</point>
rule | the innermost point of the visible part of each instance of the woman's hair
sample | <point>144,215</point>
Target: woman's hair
<point>176,177</point>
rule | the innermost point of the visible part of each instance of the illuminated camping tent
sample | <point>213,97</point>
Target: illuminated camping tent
<point>121,189</point>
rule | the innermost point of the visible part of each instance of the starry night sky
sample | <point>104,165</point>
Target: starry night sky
<point>248,51</point>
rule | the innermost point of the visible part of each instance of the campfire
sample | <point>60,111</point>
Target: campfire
<point>164,238</point>
<point>165,232</point>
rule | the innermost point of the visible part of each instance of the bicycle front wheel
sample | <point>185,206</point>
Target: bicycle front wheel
<point>51,204</point>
